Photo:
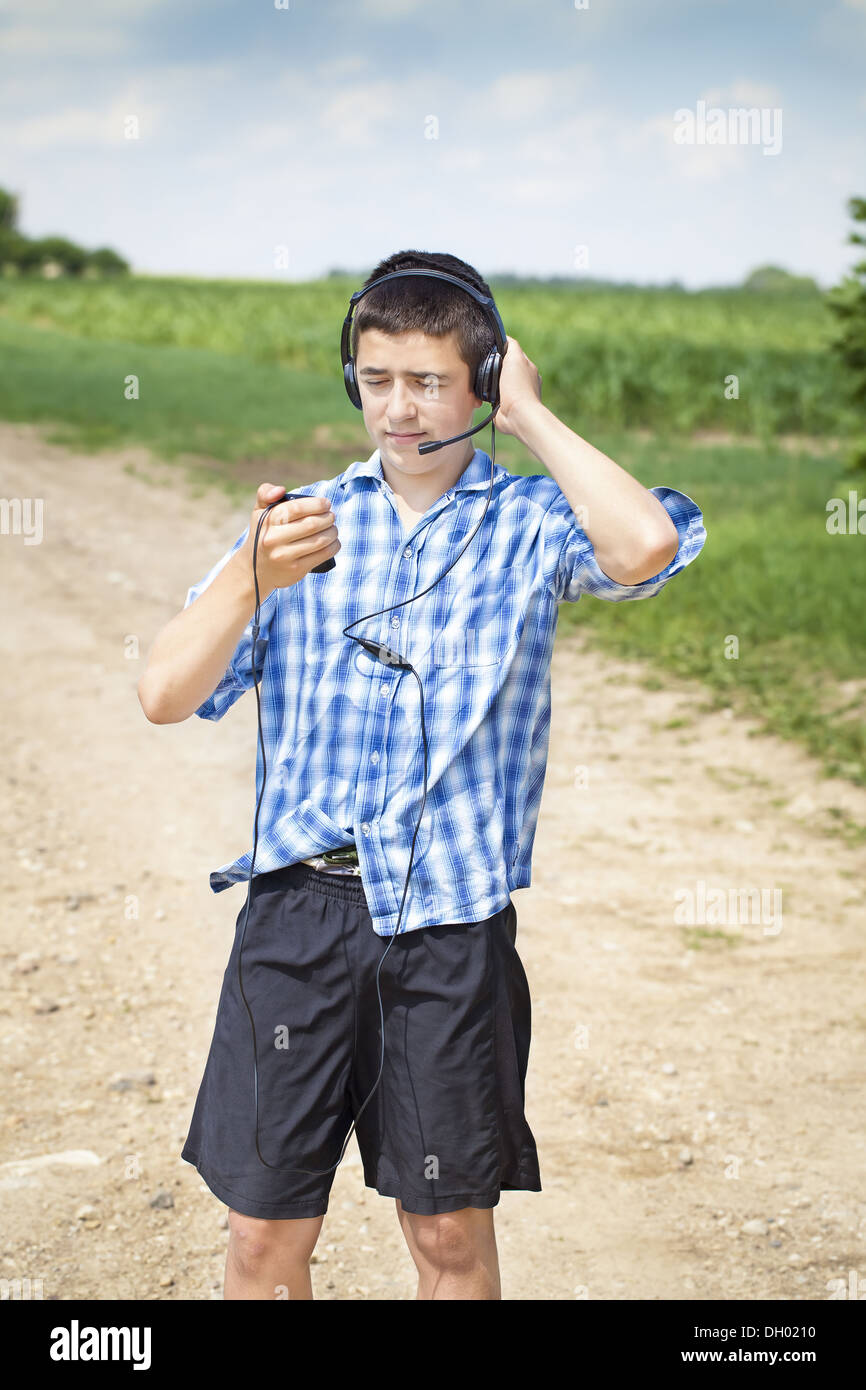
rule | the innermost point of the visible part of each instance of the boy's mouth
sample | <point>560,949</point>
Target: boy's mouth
<point>401,438</point>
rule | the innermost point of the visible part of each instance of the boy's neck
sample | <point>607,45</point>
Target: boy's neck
<point>421,491</point>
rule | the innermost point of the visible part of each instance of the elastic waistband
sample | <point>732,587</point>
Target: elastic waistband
<point>347,888</point>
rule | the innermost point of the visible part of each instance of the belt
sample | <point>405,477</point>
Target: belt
<point>336,861</point>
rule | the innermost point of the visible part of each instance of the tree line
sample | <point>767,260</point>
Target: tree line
<point>49,255</point>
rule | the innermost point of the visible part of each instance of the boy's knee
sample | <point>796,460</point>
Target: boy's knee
<point>255,1239</point>
<point>453,1241</point>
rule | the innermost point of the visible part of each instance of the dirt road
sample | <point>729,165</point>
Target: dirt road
<point>696,1091</point>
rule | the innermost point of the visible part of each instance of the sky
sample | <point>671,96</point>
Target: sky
<point>277,139</point>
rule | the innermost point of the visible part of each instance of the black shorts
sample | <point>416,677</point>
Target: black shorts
<point>445,1128</point>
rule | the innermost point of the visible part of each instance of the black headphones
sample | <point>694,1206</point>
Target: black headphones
<point>486,383</point>
<point>486,388</point>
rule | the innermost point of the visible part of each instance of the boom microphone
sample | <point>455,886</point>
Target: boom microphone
<point>440,443</point>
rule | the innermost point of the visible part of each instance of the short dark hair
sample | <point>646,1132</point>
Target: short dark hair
<point>427,306</point>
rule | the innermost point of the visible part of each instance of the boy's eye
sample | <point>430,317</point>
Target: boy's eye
<point>382,381</point>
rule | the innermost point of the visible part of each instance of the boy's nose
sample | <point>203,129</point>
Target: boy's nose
<point>400,404</point>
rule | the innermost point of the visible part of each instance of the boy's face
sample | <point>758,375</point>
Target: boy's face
<point>414,388</point>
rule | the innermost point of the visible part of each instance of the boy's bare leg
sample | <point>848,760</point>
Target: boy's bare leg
<point>270,1259</point>
<point>455,1253</point>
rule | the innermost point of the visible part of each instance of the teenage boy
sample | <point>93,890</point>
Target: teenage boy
<point>445,1130</point>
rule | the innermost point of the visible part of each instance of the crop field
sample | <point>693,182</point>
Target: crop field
<point>615,358</point>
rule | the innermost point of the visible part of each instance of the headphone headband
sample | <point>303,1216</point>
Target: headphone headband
<point>483,300</point>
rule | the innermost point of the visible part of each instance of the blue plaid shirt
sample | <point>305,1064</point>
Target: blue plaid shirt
<point>342,731</point>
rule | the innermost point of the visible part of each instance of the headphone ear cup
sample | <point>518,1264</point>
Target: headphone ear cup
<point>351,384</point>
<point>492,369</point>
<point>487,376</point>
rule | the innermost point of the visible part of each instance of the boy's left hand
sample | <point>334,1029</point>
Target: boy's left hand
<point>519,385</point>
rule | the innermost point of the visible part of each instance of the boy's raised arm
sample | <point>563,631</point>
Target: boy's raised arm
<point>192,652</point>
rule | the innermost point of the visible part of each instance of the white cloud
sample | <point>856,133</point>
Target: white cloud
<point>540,192</point>
<point>742,92</point>
<point>463,160</point>
<point>162,100</point>
<point>55,28</point>
<point>335,69</point>
<point>531,94</point>
<point>577,140</point>
<point>653,139</point>
<point>25,40</point>
<point>86,125</point>
<point>356,114</point>
<point>708,163</point>
<point>703,163</point>
<point>392,9</point>
<point>61,10</point>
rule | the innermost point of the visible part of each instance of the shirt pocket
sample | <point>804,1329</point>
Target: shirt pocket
<point>476,619</point>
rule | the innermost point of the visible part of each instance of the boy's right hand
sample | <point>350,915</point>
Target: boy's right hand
<point>294,538</point>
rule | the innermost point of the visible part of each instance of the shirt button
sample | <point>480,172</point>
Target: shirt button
<point>407,552</point>
<point>374,757</point>
<point>395,621</point>
<point>365,827</point>
<point>384,690</point>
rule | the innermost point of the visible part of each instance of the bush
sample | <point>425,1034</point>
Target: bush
<point>52,254</point>
<point>106,262</point>
<point>14,249</point>
<point>65,253</point>
<point>773,277</point>
<point>847,301</point>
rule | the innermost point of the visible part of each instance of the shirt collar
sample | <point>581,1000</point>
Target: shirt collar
<point>476,474</point>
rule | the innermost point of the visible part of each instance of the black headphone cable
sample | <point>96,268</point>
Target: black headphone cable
<point>390,658</point>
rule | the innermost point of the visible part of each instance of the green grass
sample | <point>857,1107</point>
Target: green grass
<point>189,398</point>
<point>236,411</point>
<point>696,938</point>
<point>769,575</point>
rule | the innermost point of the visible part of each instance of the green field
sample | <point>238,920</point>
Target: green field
<point>240,383</point>
<point>615,359</point>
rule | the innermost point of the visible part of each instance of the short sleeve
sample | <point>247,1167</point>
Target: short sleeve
<point>239,673</point>
<point>571,566</point>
